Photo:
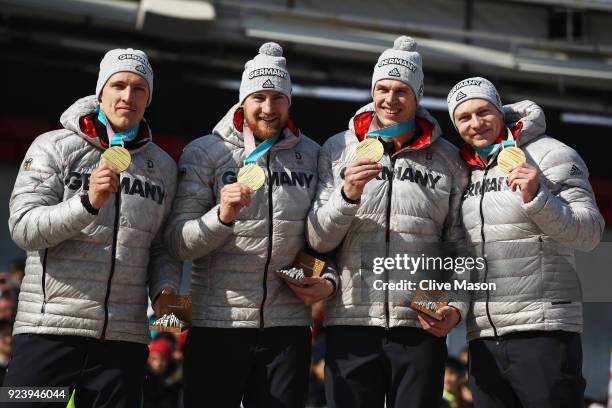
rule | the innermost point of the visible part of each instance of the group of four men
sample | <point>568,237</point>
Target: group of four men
<point>98,238</point>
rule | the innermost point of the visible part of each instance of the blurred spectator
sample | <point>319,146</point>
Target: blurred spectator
<point>464,356</point>
<point>163,380</point>
<point>8,305</point>
<point>6,341</point>
<point>316,389</point>
<point>16,272</point>
<point>453,373</point>
<point>465,398</point>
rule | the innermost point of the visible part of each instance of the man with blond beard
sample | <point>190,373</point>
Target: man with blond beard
<point>250,338</point>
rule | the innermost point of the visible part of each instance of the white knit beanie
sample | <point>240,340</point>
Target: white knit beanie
<point>266,72</point>
<point>472,88</point>
<point>125,60</point>
<point>403,63</point>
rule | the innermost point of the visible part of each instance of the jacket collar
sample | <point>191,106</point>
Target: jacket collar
<point>427,130</point>
<point>79,118</point>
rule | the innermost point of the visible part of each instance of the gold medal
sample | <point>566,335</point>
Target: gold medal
<point>370,148</point>
<point>117,157</point>
<point>252,176</point>
<point>510,157</point>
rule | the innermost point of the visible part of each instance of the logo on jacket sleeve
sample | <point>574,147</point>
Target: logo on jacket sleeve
<point>27,163</point>
<point>575,171</point>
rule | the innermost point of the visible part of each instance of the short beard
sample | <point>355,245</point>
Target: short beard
<point>263,133</point>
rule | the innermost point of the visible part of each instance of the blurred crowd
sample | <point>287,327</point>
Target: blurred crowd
<point>164,365</point>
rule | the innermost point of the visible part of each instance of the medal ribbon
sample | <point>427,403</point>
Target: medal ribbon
<point>493,148</point>
<point>118,138</point>
<point>260,150</point>
<point>393,130</point>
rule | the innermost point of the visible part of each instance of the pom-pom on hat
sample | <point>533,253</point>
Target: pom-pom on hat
<point>266,72</point>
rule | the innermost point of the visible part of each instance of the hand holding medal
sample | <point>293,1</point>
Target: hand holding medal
<point>116,155</point>
<point>251,177</point>
<point>368,152</point>
<point>104,180</point>
<point>521,175</point>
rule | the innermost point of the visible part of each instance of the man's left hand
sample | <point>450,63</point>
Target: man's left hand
<point>315,289</point>
<point>526,178</point>
<point>157,304</point>
<point>440,328</point>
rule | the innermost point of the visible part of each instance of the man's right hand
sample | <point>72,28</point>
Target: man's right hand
<point>357,174</point>
<point>233,197</point>
<point>103,182</point>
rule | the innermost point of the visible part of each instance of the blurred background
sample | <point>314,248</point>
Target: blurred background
<point>557,53</point>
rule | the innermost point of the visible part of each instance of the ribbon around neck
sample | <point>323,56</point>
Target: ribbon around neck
<point>118,138</point>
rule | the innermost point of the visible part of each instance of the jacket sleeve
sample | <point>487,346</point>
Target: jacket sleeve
<point>331,270</point>
<point>566,211</point>
<point>164,271</point>
<point>331,215</point>
<point>194,229</point>
<point>454,230</point>
<point>38,216</point>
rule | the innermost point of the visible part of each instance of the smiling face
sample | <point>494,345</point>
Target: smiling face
<point>479,122</point>
<point>394,102</point>
<point>266,113</point>
<point>124,100</point>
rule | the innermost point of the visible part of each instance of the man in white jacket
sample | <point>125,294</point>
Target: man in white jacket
<point>378,347</point>
<point>250,334</point>
<point>94,237</point>
<point>527,216</point>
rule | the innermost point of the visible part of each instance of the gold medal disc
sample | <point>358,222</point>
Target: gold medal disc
<point>370,148</point>
<point>510,157</point>
<point>252,176</point>
<point>117,157</point>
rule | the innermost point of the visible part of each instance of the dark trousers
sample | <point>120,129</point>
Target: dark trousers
<point>365,365</point>
<point>262,368</point>
<point>104,373</point>
<point>530,369</point>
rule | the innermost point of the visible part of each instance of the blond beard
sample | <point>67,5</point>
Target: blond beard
<point>263,133</point>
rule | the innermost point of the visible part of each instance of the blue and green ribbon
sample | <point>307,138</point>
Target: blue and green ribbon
<point>261,149</point>
<point>393,130</point>
<point>118,138</point>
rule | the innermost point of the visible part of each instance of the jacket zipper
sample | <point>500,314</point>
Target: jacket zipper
<point>482,237</point>
<point>270,236</point>
<point>44,276</point>
<point>391,174</point>
<point>113,260</point>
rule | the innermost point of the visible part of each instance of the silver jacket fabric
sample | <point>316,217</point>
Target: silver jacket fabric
<point>233,282</point>
<point>530,247</point>
<point>414,201</point>
<point>87,275</point>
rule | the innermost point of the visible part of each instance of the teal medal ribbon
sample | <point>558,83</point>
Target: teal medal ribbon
<point>493,148</point>
<point>261,149</point>
<point>393,130</point>
<point>118,138</point>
